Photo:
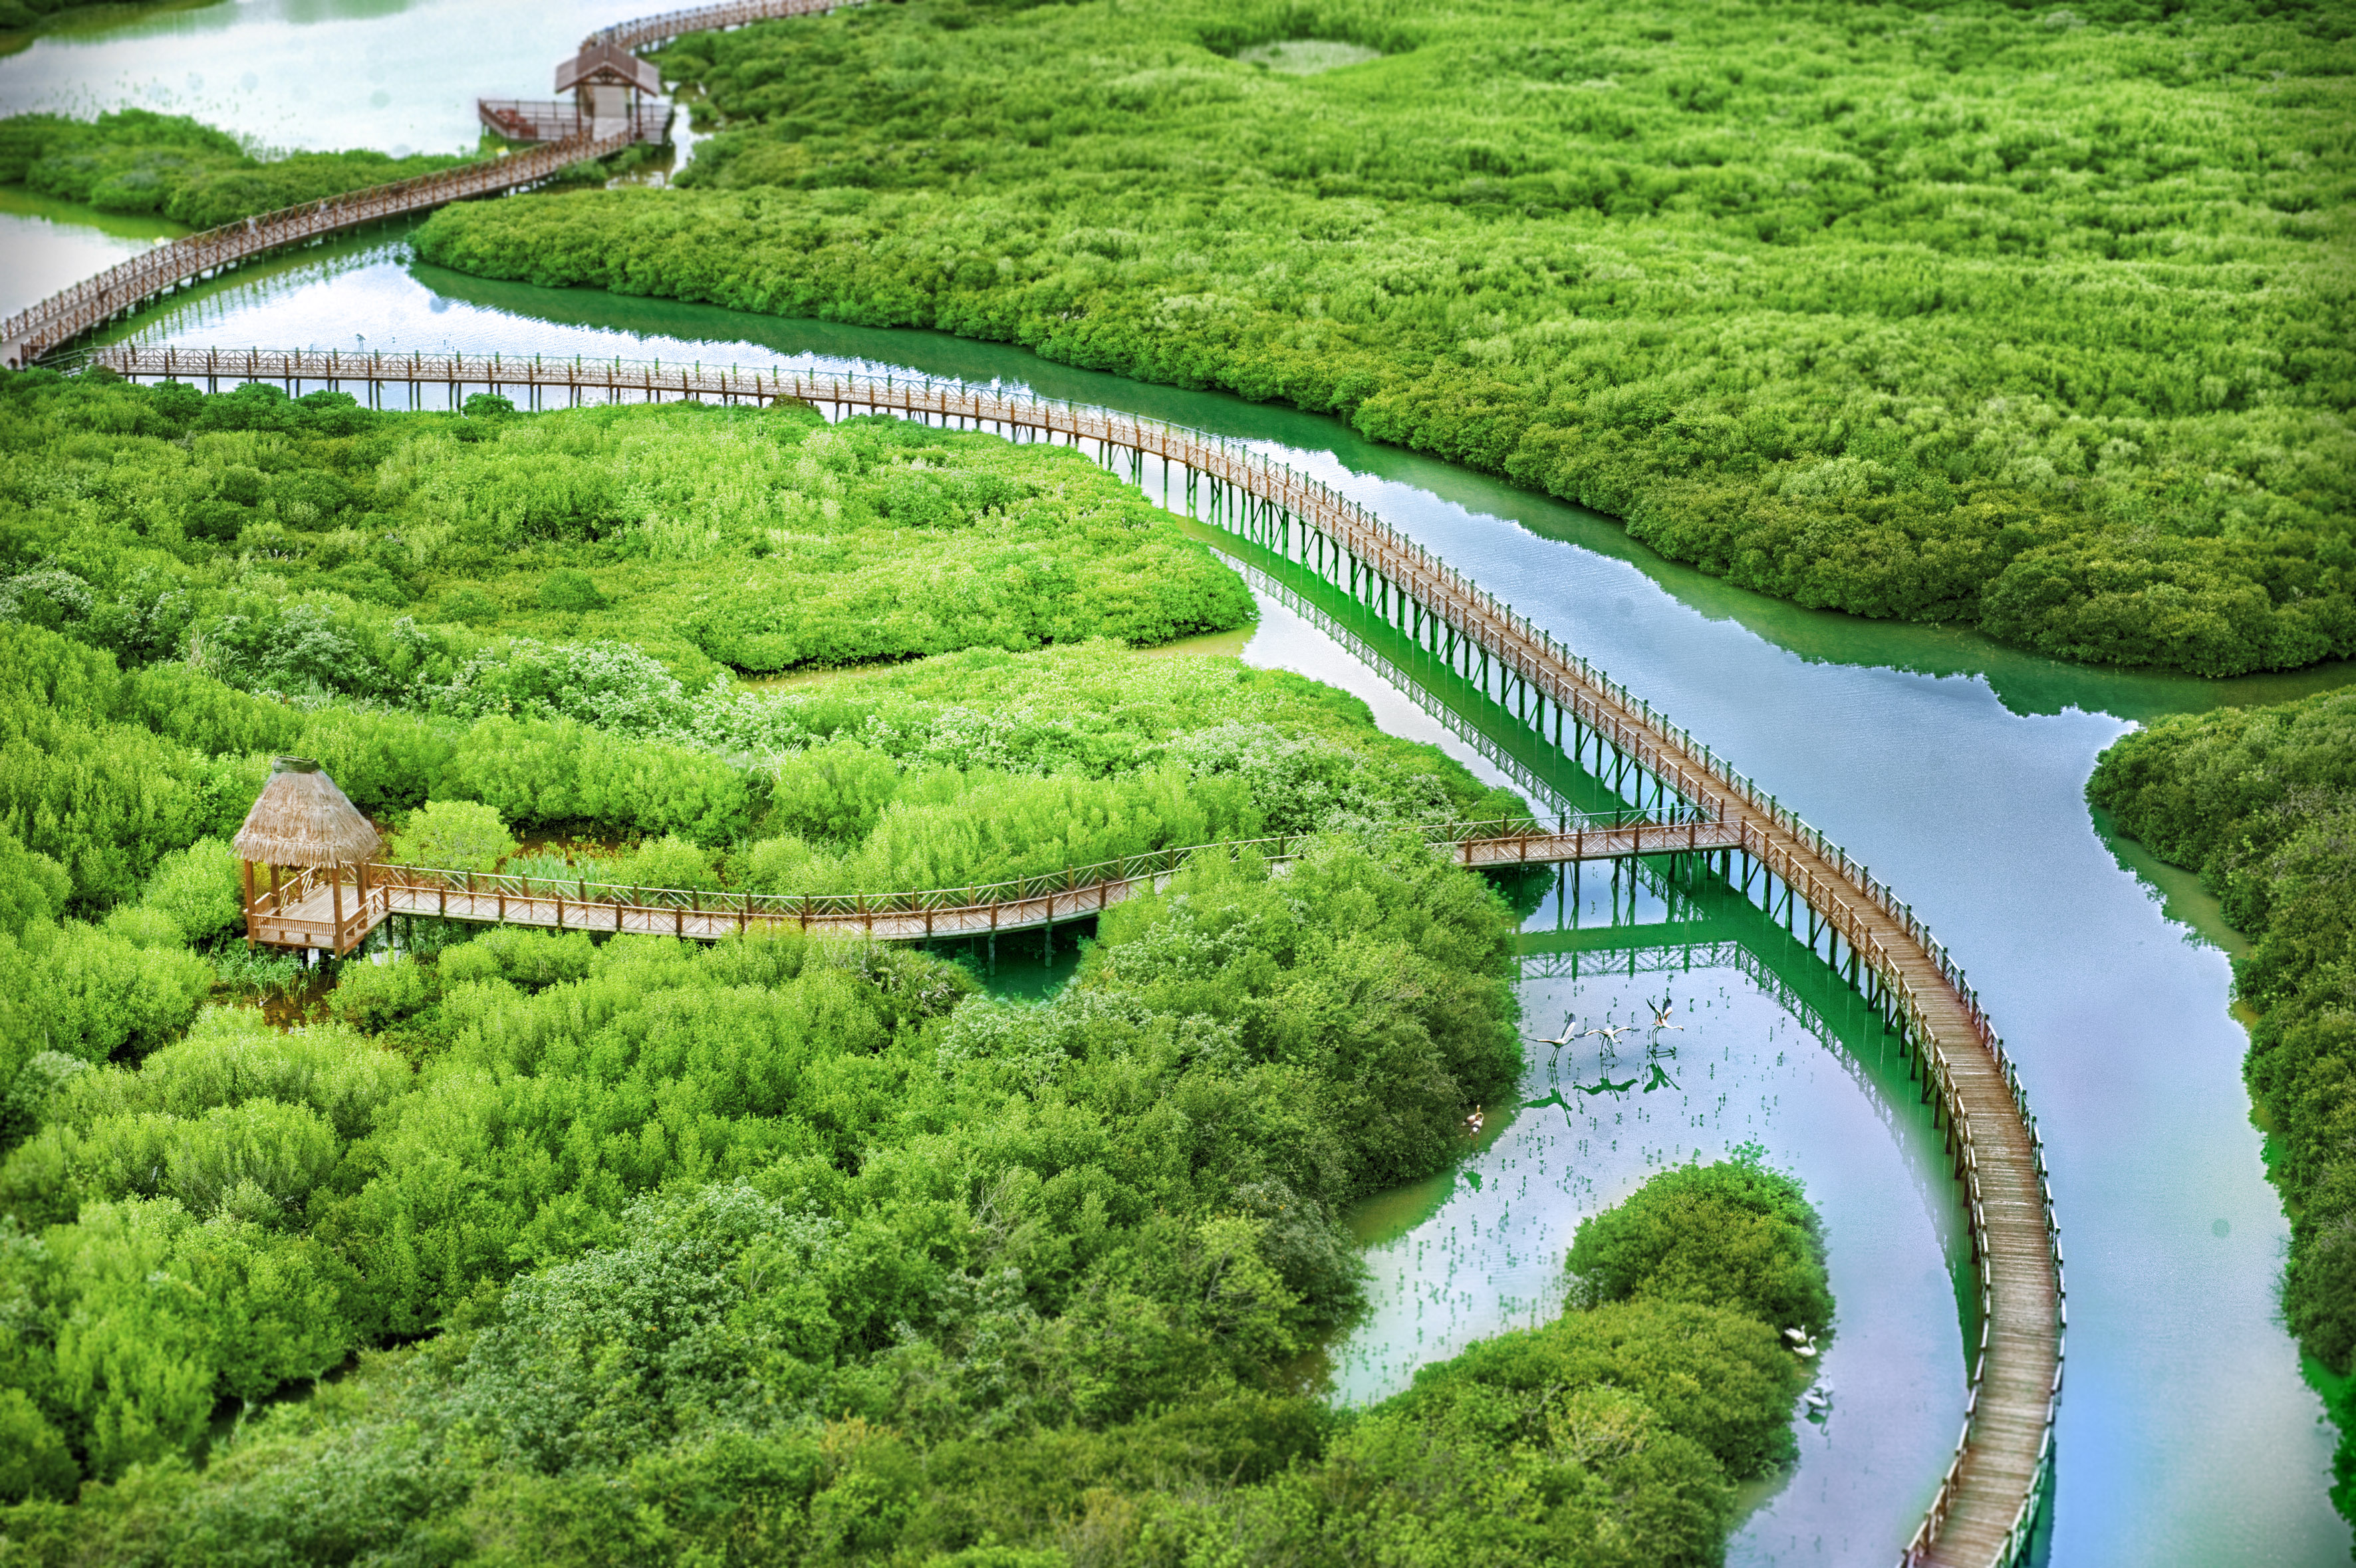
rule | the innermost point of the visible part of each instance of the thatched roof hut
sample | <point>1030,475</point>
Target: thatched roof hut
<point>303,819</point>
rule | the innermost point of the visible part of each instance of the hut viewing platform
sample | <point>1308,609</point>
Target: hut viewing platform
<point>315,853</point>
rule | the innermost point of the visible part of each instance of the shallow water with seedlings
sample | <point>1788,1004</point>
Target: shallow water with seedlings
<point>1718,1033</point>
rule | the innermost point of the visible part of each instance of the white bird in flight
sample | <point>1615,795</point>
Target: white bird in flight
<point>1570,1032</point>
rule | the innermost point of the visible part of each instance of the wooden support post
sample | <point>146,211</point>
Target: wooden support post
<point>247,866</point>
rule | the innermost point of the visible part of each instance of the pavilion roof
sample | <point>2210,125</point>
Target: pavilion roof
<point>602,62</point>
<point>302,818</point>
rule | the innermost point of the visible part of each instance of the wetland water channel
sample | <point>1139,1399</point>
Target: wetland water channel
<point>1954,767</point>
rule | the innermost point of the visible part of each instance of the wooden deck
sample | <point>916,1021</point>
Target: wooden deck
<point>312,911</point>
<point>547,120</point>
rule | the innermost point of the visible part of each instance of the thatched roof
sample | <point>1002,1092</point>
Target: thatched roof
<point>303,819</point>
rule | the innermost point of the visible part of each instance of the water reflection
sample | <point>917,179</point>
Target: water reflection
<point>401,75</point>
<point>46,244</point>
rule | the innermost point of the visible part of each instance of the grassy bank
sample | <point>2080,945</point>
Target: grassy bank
<point>317,548</point>
<point>137,161</point>
<point>2036,322</point>
<point>2262,803</point>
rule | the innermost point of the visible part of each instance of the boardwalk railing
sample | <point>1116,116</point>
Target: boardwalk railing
<point>636,35</point>
<point>556,120</point>
<point>33,332</point>
<point>1060,895</point>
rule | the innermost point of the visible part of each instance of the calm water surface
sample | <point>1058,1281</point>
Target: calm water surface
<point>399,75</point>
<point>46,244</point>
<point>1954,767</point>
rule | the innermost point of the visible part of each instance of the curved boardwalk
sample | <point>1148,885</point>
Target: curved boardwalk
<point>58,320</point>
<point>124,287</point>
<point>1985,1504</point>
<point>638,33</point>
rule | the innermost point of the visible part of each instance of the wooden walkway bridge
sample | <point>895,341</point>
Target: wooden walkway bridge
<point>317,909</point>
<point>1987,1503</point>
<point>1986,1507</point>
<point>31,333</point>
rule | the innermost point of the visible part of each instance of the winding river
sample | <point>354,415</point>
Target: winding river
<point>1954,767</point>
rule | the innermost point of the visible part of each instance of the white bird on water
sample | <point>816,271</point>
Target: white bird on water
<point>1662,1010</point>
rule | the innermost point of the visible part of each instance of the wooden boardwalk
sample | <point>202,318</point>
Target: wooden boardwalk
<point>637,34</point>
<point>43,328</point>
<point>306,915</point>
<point>35,331</point>
<point>1986,1502</point>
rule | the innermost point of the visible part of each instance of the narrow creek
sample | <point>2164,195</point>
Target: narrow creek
<point>1952,767</point>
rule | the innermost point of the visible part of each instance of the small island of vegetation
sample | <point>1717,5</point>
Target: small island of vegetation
<point>137,161</point>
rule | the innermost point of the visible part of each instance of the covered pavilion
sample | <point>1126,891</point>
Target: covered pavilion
<point>315,849</point>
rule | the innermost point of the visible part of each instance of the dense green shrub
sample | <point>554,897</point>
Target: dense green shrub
<point>34,1460</point>
<point>1733,1235</point>
<point>92,991</point>
<point>199,889</point>
<point>871,1264</point>
<point>32,887</point>
<point>456,835</point>
<point>2262,802</point>
<point>1818,298</point>
<point>134,160</point>
<point>585,1078</point>
<point>309,548</point>
<point>623,1400</point>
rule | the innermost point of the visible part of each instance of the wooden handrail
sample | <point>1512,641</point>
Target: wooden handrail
<point>1496,842</point>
